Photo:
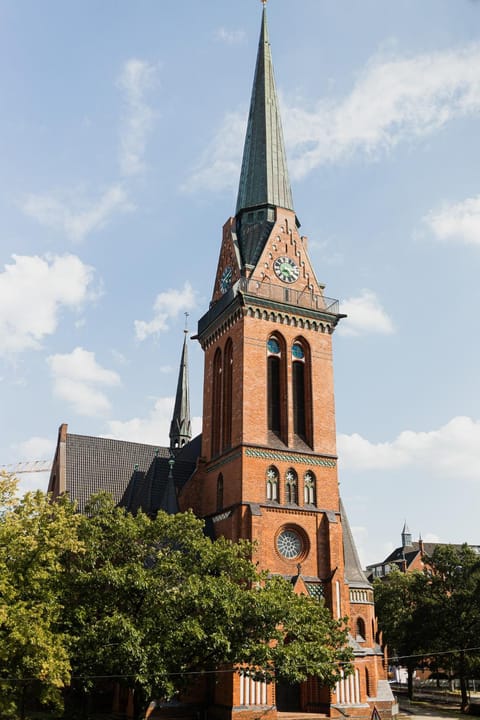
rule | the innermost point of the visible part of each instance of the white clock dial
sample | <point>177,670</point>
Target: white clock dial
<point>286,269</point>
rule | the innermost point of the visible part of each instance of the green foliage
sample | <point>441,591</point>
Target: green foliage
<point>433,617</point>
<point>150,603</point>
<point>34,538</point>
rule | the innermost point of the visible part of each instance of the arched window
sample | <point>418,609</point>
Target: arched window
<point>367,683</point>
<point>217,402</point>
<point>360,630</point>
<point>291,487</point>
<point>309,488</point>
<point>301,391</point>
<point>220,492</point>
<point>276,393</point>
<point>272,484</point>
<point>227,394</point>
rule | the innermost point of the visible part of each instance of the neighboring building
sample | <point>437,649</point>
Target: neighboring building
<point>408,557</point>
<point>265,467</point>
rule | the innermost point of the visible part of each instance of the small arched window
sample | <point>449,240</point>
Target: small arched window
<point>310,488</point>
<point>360,630</point>
<point>276,391</point>
<point>291,487</point>
<point>227,394</point>
<point>217,402</point>
<point>301,391</point>
<point>220,492</point>
<point>272,484</point>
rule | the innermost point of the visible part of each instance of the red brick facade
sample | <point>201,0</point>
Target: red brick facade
<point>240,454</point>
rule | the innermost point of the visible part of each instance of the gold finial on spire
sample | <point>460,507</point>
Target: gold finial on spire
<point>264,2</point>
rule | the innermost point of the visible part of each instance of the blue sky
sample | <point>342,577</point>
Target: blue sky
<point>121,134</point>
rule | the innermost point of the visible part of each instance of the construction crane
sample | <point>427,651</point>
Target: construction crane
<point>27,466</point>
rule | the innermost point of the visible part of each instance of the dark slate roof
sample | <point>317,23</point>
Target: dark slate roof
<point>409,552</point>
<point>135,474</point>
<point>354,574</point>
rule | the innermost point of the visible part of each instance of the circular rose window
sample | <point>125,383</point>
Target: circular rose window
<point>290,544</point>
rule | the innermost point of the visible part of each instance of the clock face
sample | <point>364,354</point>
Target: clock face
<point>226,279</point>
<point>289,544</point>
<point>285,269</point>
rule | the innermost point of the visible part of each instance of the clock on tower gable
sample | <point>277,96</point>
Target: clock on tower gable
<point>229,262</point>
<point>284,259</point>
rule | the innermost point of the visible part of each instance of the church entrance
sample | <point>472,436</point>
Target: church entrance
<point>288,697</point>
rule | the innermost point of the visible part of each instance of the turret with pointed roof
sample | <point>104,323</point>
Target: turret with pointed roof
<point>264,181</point>
<point>181,426</point>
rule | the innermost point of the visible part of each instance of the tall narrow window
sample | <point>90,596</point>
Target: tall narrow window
<point>272,484</point>
<point>310,488</point>
<point>217,402</point>
<point>220,492</point>
<point>301,392</point>
<point>276,395</point>
<point>291,487</point>
<point>227,394</point>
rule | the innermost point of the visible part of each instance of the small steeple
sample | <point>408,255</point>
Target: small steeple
<point>406,536</point>
<point>264,181</point>
<point>181,426</point>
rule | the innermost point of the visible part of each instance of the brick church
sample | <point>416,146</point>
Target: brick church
<point>265,466</point>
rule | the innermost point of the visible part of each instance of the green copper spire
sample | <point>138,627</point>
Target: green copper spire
<point>264,181</point>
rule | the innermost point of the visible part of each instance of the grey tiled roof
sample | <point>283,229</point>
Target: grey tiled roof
<point>354,574</point>
<point>135,474</point>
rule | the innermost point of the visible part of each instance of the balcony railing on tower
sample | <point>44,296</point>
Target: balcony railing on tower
<point>282,294</point>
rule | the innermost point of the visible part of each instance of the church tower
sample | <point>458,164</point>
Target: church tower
<point>268,465</point>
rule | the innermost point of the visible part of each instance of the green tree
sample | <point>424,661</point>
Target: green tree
<point>454,610</point>
<point>154,603</point>
<point>34,537</point>
<point>400,602</point>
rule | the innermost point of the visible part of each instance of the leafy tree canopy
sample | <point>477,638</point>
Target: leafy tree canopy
<point>150,603</point>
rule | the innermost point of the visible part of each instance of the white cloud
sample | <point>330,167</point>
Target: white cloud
<point>230,37</point>
<point>218,166</point>
<point>393,100</point>
<point>365,316</point>
<point>167,305</point>
<point>75,215</point>
<point>79,380</point>
<point>136,79</point>
<point>33,291</point>
<point>459,222</point>
<point>452,451</point>
<point>153,429</point>
<point>36,448</point>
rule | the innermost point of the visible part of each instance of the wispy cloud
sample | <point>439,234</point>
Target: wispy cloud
<point>452,450</point>
<point>33,292</point>
<point>168,305</point>
<point>394,100</point>
<point>218,166</point>
<point>457,222</point>
<point>230,37</point>
<point>136,79</point>
<point>365,316</point>
<point>80,380</point>
<point>74,215</point>
<point>154,428</point>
